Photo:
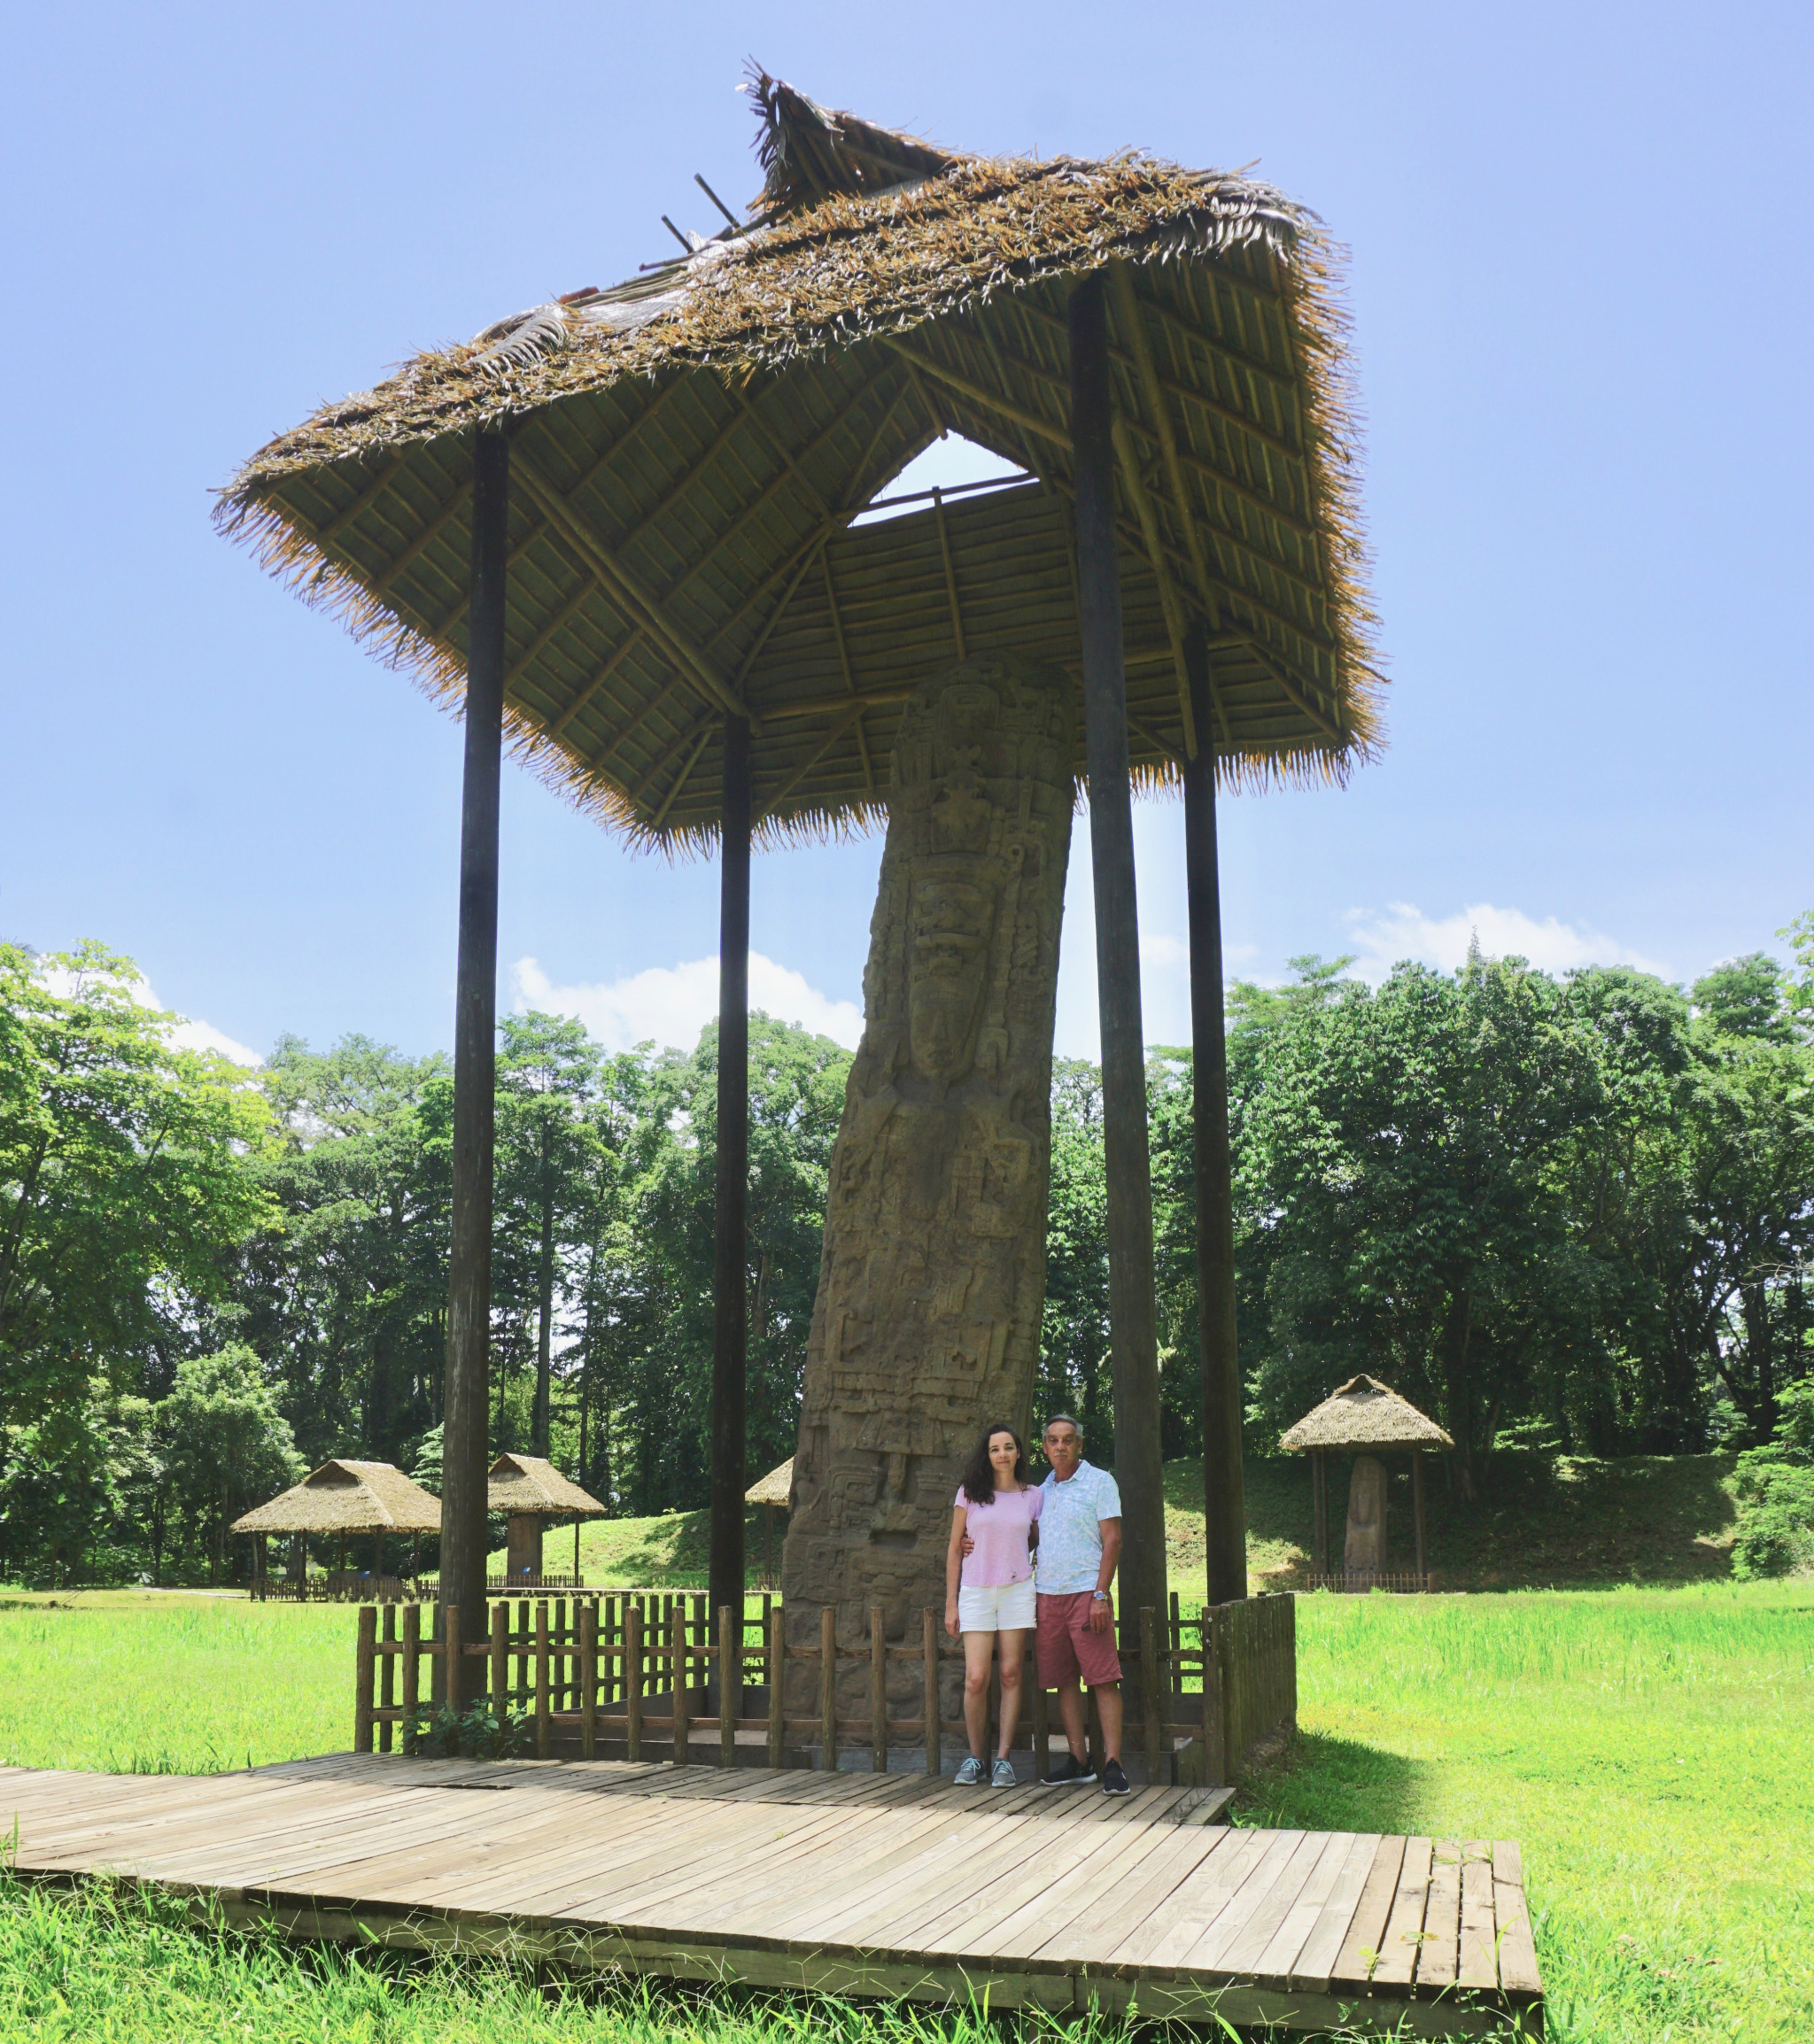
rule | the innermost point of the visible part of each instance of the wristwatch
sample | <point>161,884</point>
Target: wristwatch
<point>1100,1597</point>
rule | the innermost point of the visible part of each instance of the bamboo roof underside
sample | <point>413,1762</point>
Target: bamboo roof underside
<point>689,450</point>
<point>527,1483</point>
<point>346,1496</point>
<point>1365,1413</point>
<point>776,1487</point>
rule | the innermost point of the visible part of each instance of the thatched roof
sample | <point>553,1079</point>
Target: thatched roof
<point>776,1487</point>
<point>1365,1413</point>
<point>527,1483</point>
<point>689,449</point>
<point>344,1497</point>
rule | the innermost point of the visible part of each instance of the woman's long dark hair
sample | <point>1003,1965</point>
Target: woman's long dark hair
<point>980,1472</point>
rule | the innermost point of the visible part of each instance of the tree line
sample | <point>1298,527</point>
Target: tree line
<point>1568,1210</point>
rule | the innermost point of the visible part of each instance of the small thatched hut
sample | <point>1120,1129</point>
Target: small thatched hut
<point>529,1491</point>
<point>774,1493</point>
<point>1364,1418</point>
<point>343,1498</point>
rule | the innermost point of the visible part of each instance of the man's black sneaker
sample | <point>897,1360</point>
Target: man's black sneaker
<point>1067,1773</point>
<point>1115,1781</point>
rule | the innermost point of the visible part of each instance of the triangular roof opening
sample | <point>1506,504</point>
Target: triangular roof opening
<point>951,464</point>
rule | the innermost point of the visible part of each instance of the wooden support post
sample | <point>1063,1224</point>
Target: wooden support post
<point>1319,1513</point>
<point>1133,1319</point>
<point>1175,1637</point>
<point>777,1659</point>
<point>768,1605</point>
<point>1417,1512</point>
<point>878,1693</point>
<point>828,1689</point>
<point>730,1682</point>
<point>387,1678</point>
<point>412,1672</point>
<point>1224,1491</point>
<point>500,1660</point>
<point>363,1661</point>
<point>929,1653</point>
<point>1041,1718</point>
<point>589,1681</point>
<point>453,1671</point>
<point>475,1050</point>
<point>730,1276</point>
<point>632,1678</point>
<point>523,1677</point>
<point>676,1663</point>
<point>701,1672</point>
<point>544,1728</point>
<point>1150,1693</point>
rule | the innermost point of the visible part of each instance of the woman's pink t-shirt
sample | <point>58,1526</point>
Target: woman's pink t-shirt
<point>999,1530</point>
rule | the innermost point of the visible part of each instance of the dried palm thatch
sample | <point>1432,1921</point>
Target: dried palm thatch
<point>1363,1414</point>
<point>776,1487</point>
<point>690,448</point>
<point>344,1497</point>
<point>526,1484</point>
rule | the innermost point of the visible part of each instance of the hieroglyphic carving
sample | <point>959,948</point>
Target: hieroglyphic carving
<point>934,1274</point>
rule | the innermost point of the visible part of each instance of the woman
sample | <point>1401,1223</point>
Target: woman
<point>998,1506</point>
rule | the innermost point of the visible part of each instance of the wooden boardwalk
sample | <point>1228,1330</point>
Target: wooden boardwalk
<point>858,1884</point>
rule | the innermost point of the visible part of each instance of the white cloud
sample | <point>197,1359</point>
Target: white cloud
<point>189,1033</point>
<point>671,1004</point>
<point>1403,931</point>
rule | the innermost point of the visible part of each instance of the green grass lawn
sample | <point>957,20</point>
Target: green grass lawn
<point>1649,1749</point>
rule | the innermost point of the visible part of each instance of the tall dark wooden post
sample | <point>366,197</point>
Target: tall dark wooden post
<point>475,1058</point>
<point>1224,1493</point>
<point>730,1309</point>
<point>1133,1317</point>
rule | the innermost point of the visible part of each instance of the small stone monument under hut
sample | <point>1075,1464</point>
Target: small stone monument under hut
<point>1364,1418</point>
<point>529,1492</point>
<point>343,1499</point>
<point>775,1494</point>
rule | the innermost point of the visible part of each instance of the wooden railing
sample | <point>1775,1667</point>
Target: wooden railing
<point>1359,1582</point>
<point>588,1669</point>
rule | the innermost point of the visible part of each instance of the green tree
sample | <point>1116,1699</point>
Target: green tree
<point>224,1444</point>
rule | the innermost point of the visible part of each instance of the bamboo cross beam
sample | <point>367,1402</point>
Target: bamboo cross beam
<point>1169,604</point>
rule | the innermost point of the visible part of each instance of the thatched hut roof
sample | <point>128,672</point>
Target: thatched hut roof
<point>527,1483</point>
<point>689,448</point>
<point>1365,1413</point>
<point>776,1487</point>
<point>345,1497</point>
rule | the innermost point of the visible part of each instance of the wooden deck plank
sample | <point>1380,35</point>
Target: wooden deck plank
<point>1511,1919</point>
<point>1067,1892</point>
<point>1439,1953</point>
<point>1366,1933</point>
<point>1477,1966</point>
<point>1323,1947</point>
<point>1188,1912</point>
<point>1170,1859</point>
<point>1398,1955</point>
<point>1286,1863</point>
<point>1276,1961</point>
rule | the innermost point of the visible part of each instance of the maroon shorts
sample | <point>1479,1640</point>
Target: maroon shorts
<point>1066,1651</point>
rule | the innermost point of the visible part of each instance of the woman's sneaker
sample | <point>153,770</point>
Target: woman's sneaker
<point>1069,1771</point>
<point>970,1775</point>
<point>1114,1780</point>
<point>1002,1774</point>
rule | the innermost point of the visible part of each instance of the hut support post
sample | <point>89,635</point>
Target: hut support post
<point>1133,1337</point>
<point>730,1309</point>
<point>475,1051</point>
<point>1417,1512</point>
<point>1224,1494</point>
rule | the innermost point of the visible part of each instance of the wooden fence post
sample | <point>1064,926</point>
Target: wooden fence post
<point>777,1661</point>
<point>878,1693</point>
<point>701,1634</point>
<point>500,1661</point>
<point>387,1675</point>
<point>412,1671</point>
<point>525,1678</point>
<point>1149,1690</point>
<point>828,1689</point>
<point>677,1661</point>
<point>730,1683</point>
<point>453,1671</point>
<point>929,1650</point>
<point>1041,1720</point>
<point>589,1680</point>
<point>363,1661</point>
<point>544,1729</point>
<point>632,1678</point>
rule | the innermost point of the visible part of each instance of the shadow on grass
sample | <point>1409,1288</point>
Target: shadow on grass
<point>1322,1784</point>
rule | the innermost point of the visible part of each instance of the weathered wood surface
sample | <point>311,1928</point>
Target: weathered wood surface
<point>862,1884</point>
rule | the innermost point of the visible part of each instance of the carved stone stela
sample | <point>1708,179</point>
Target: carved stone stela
<point>933,1280</point>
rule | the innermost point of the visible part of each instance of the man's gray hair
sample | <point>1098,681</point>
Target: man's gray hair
<point>1064,1420</point>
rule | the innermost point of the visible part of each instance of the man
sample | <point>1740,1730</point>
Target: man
<point>1079,1543</point>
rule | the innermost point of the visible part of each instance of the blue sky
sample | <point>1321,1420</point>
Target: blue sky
<point>1580,288</point>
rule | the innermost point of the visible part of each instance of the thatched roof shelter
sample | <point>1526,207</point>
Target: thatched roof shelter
<point>346,1496</point>
<point>776,1487</point>
<point>1362,1416</point>
<point>519,1484</point>
<point>689,449</point>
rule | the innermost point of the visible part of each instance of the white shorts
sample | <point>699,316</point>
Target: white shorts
<point>998,1607</point>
